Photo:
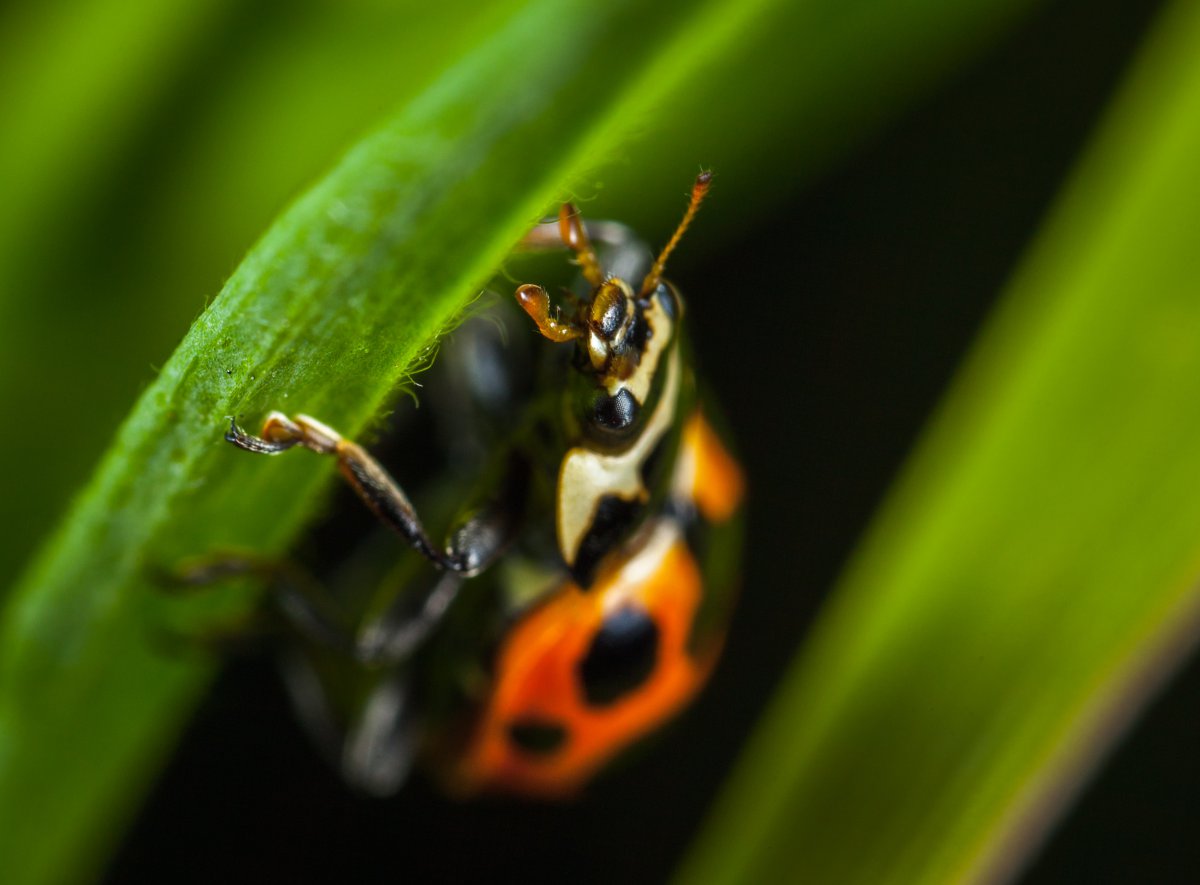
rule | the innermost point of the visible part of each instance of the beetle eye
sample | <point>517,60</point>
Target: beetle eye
<point>669,301</point>
<point>614,413</point>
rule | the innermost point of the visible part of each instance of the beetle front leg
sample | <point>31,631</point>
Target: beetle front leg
<point>625,256</point>
<point>373,484</point>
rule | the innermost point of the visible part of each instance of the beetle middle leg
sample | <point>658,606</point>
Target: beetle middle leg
<point>368,733</point>
<point>303,603</point>
<point>300,600</point>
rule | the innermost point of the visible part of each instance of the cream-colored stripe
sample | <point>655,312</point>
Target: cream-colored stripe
<point>643,376</point>
<point>587,476</point>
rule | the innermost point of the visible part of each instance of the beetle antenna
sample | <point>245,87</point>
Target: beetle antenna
<point>574,237</point>
<point>699,191</point>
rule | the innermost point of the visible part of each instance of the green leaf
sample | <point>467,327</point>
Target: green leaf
<point>1033,573</point>
<point>62,122</point>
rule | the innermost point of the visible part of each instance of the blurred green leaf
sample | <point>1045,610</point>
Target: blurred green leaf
<point>1034,572</point>
<point>75,80</point>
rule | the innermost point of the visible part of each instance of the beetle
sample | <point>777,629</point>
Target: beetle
<point>581,596</point>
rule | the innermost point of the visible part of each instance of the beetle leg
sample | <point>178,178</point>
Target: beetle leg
<point>373,484</point>
<point>298,597</point>
<point>398,632</point>
<point>535,302</point>
<point>372,743</point>
<point>480,537</point>
<point>228,639</point>
<point>548,235</point>
<point>575,237</point>
<point>626,256</point>
<point>378,750</point>
<point>484,530</point>
<point>542,236</point>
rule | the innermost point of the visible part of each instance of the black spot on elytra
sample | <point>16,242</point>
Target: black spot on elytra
<point>537,737</point>
<point>621,657</point>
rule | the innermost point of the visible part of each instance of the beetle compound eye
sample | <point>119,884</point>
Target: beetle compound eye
<point>665,296</point>
<point>615,413</point>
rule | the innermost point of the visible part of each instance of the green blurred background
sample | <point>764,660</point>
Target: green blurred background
<point>878,179</point>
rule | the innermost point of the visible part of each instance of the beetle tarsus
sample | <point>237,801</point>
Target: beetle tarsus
<point>251,443</point>
<point>278,435</point>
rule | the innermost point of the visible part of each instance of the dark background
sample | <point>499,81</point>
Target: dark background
<point>824,417</point>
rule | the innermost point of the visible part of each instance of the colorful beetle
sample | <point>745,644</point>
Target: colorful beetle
<point>601,552</point>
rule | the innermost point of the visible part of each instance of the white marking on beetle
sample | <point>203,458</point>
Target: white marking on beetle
<point>587,476</point>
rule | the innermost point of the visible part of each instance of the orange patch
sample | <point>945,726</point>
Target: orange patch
<point>538,678</point>
<point>706,472</point>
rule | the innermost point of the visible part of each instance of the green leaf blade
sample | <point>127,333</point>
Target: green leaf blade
<point>1033,574</point>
